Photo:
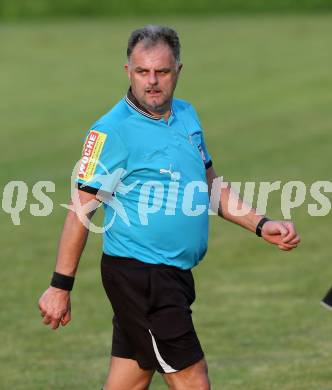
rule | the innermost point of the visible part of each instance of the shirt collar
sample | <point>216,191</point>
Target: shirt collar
<point>133,102</point>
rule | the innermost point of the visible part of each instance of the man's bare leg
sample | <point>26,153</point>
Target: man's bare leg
<point>125,374</point>
<point>194,377</point>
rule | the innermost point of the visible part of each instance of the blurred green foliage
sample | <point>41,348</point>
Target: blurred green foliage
<point>20,9</point>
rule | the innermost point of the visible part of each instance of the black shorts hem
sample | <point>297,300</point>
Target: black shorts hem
<point>185,364</point>
<point>124,356</point>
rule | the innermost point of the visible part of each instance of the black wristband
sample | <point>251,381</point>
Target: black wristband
<point>260,226</point>
<point>64,282</point>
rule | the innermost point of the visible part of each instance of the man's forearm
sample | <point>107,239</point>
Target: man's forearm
<point>72,242</point>
<point>226,202</point>
<point>54,304</point>
<point>230,202</point>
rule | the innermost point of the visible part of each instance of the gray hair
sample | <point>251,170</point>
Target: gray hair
<point>151,35</point>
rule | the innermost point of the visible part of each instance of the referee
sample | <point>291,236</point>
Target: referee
<point>147,162</point>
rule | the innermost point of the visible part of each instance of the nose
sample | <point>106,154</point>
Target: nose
<point>153,78</point>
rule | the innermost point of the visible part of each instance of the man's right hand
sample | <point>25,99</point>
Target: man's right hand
<point>54,306</point>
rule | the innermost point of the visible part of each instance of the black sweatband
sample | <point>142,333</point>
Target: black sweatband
<point>208,164</point>
<point>260,226</point>
<point>64,282</point>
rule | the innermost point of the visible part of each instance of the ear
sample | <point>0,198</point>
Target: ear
<point>126,68</point>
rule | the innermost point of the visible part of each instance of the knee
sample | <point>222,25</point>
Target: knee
<point>199,386</point>
<point>199,383</point>
<point>204,384</point>
<point>202,381</point>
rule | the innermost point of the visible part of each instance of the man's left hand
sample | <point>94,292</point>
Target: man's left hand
<point>281,233</point>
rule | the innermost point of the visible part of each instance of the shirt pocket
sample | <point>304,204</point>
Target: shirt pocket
<point>157,163</point>
<point>155,154</point>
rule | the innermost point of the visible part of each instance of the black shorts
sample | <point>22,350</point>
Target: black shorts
<point>152,317</point>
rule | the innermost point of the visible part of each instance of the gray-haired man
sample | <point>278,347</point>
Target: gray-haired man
<point>146,268</point>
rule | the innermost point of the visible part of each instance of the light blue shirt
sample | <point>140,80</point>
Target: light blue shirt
<point>156,172</point>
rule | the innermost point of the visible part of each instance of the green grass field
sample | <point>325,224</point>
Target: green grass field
<point>263,88</point>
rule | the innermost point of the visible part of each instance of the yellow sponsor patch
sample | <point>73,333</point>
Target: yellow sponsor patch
<point>91,152</point>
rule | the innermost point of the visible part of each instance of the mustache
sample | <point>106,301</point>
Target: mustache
<point>152,90</point>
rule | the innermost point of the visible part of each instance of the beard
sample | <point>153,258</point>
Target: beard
<point>159,108</point>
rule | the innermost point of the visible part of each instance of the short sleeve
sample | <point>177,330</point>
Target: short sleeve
<point>205,154</point>
<point>202,145</point>
<point>104,156</point>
